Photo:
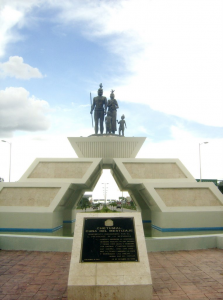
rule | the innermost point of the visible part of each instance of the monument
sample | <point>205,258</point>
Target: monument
<point>108,121</point>
<point>100,107</point>
<point>122,125</point>
<point>109,258</point>
<point>112,110</point>
<point>167,197</point>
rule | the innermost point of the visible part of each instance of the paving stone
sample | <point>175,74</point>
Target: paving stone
<point>177,275</point>
<point>196,273</point>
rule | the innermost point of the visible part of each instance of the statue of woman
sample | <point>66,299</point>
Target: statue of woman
<point>112,108</point>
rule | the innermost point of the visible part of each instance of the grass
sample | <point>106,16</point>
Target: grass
<point>105,209</point>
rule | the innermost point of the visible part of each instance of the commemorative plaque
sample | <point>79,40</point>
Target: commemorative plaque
<point>109,240</point>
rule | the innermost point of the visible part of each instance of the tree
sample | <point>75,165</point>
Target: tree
<point>85,203</point>
<point>113,204</point>
<point>132,204</point>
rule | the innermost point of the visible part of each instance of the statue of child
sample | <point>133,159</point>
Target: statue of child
<point>108,120</point>
<point>122,124</point>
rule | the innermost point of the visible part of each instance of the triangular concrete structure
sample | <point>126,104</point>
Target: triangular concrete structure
<point>106,147</point>
<point>164,190</point>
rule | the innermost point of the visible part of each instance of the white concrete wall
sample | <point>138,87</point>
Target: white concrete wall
<point>61,170</point>
<point>64,244</point>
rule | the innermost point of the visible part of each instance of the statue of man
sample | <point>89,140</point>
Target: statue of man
<point>99,106</point>
<point>112,108</point>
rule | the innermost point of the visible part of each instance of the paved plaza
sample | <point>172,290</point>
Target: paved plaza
<point>178,275</point>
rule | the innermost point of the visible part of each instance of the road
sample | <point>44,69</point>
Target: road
<point>118,209</point>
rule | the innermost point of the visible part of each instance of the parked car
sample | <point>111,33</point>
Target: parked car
<point>95,206</point>
<point>119,205</point>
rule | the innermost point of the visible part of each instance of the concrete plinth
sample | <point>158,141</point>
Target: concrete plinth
<point>109,280</point>
<point>106,147</point>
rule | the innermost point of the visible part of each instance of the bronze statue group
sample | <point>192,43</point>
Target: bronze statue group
<point>102,107</point>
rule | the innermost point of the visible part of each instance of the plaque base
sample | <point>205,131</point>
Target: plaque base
<point>124,280</point>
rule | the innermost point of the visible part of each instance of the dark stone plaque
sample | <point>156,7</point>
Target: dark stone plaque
<point>109,240</point>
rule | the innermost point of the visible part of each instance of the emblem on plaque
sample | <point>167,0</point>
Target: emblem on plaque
<point>109,222</point>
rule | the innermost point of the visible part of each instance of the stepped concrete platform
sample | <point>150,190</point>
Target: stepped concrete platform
<point>169,198</point>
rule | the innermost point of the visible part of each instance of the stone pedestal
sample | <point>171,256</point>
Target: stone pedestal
<point>129,280</point>
<point>106,147</point>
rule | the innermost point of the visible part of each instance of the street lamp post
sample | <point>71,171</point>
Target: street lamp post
<point>200,155</point>
<point>105,192</point>
<point>9,158</point>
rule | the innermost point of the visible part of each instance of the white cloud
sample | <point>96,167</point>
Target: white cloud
<point>172,48</point>
<point>19,111</point>
<point>15,67</point>
<point>184,145</point>
<point>9,17</point>
<point>26,148</point>
<point>83,105</point>
<point>13,15</point>
<point>143,129</point>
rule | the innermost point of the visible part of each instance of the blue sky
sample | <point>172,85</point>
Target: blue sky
<point>164,59</point>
